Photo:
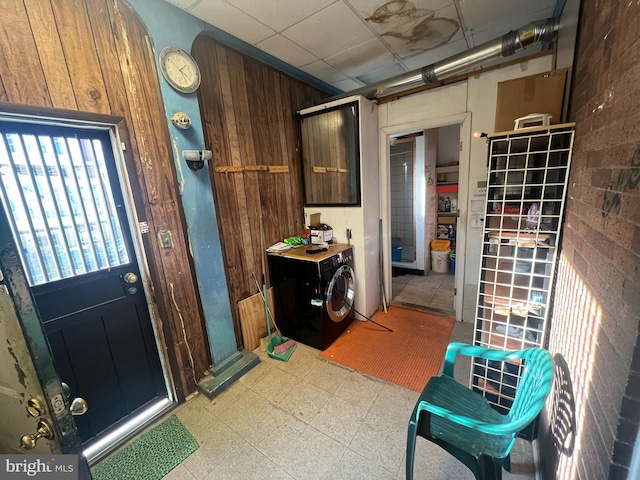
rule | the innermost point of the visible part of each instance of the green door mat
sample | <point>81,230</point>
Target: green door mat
<point>152,456</point>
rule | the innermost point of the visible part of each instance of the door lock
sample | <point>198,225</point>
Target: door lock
<point>28,442</point>
<point>35,407</point>
<point>130,277</point>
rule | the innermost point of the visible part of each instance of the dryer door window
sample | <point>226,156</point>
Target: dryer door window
<point>340,293</point>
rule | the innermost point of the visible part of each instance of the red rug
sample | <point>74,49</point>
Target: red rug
<point>408,356</point>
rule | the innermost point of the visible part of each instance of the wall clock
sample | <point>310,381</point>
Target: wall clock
<point>179,69</point>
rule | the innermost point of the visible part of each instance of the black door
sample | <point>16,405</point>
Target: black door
<point>61,192</point>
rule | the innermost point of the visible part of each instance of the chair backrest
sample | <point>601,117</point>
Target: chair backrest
<point>535,384</point>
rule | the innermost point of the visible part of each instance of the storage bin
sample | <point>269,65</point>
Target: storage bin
<point>396,253</point>
<point>441,245</point>
<point>440,261</point>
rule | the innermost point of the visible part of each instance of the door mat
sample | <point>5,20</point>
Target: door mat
<point>151,456</point>
<point>408,356</point>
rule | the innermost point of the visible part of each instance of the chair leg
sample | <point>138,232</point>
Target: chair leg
<point>490,468</point>
<point>411,449</point>
<point>507,463</point>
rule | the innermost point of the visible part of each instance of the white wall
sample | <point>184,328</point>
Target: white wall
<point>364,220</point>
<point>476,96</point>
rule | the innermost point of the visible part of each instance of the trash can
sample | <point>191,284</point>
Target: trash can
<point>452,258</point>
<point>440,261</point>
<point>396,253</point>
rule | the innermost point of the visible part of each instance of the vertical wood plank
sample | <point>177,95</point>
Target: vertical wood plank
<point>21,72</point>
<point>250,117</point>
<point>177,286</point>
<point>45,34</point>
<point>80,53</point>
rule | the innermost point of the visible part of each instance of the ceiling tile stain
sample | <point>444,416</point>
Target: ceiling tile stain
<point>416,27</point>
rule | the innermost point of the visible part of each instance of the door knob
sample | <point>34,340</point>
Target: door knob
<point>28,442</point>
<point>130,277</point>
<point>66,390</point>
<point>79,406</point>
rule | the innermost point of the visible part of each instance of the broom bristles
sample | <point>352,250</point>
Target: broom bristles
<point>283,347</point>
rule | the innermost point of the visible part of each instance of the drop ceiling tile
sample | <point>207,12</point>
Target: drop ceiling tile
<point>324,72</point>
<point>380,11</point>
<point>361,58</point>
<point>183,4</point>
<point>280,14</point>
<point>348,84</point>
<point>435,55</point>
<point>233,21</point>
<point>481,15</point>
<point>424,33</point>
<point>384,73</point>
<point>287,51</point>
<point>491,32</point>
<point>329,31</point>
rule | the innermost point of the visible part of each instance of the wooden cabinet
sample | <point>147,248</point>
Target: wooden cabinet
<point>526,189</point>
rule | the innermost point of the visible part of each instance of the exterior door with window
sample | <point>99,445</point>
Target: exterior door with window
<point>61,194</point>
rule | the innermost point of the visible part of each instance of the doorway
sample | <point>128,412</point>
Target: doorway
<point>446,151</point>
<point>64,208</point>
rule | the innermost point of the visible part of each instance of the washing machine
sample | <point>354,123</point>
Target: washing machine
<point>313,293</point>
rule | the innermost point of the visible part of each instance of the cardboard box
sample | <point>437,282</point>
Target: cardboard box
<point>541,93</point>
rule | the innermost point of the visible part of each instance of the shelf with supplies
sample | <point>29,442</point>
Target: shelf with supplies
<point>526,190</point>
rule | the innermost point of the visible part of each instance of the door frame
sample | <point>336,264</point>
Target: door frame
<point>384,138</point>
<point>25,306</point>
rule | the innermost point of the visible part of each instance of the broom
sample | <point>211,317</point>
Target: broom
<point>286,345</point>
<point>284,349</point>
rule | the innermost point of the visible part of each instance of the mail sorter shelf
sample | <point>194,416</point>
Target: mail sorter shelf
<point>526,189</point>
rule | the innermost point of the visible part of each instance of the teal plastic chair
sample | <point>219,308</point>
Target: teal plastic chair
<point>463,422</point>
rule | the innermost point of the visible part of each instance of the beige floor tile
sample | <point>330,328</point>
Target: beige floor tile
<point>359,390</point>
<point>301,362</point>
<point>275,436</point>
<point>381,441</point>
<point>394,402</point>
<point>339,420</point>
<point>279,474</point>
<point>220,441</point>
<point>354,466</point>
<point>226,399</point>
<point>243,463</point>
<point>327,376</point>
<point>254,375</point>
<point>313,456</point>
<point>304,401</point>
<point>248,413</point>
<point>179,473</point>
<point>433,463</point>
<point>275,384</point>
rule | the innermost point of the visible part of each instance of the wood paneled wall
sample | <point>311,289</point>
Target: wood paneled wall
<point>94,56</point>
<point>249,118</point>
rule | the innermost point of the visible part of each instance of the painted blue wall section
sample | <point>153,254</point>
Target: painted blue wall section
<point>168,25</point>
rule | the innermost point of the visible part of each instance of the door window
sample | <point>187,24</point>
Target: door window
<point>57,194</point>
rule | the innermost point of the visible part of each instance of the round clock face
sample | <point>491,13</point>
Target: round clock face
<point>179,69</point>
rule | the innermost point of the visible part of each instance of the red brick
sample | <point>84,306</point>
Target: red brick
<point>594,158</point>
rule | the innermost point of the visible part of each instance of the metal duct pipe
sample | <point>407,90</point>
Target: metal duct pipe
<point>534,33</point>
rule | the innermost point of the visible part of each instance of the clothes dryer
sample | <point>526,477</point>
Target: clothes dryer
<point>313,293</point>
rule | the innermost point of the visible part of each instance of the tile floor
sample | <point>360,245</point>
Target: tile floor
<point>430,293</point>
<point>311,419</point>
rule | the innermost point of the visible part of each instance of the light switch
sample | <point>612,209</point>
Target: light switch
<point>165,238</point>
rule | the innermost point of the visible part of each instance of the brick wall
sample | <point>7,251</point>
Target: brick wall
<point>597,301</point>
